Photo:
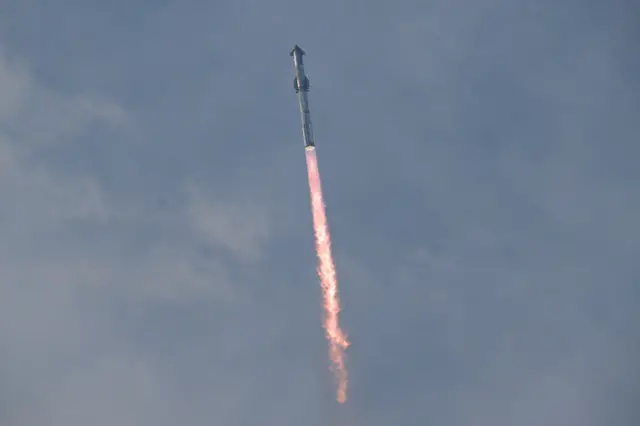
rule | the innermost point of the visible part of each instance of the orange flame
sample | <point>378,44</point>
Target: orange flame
<point>327,272</point>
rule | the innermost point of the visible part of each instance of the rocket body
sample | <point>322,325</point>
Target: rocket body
<point>301,85</point>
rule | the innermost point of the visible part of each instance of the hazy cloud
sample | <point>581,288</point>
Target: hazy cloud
<point>240,227</point>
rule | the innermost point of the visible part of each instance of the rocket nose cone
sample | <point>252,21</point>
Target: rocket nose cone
<point>297,50</point>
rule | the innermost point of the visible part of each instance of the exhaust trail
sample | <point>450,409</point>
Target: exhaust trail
<point>327,273</point>
<point>326,269</point>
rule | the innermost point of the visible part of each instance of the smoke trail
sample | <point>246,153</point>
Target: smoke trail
<point>327,273</point>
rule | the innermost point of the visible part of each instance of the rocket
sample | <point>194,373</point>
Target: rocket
<point>301,85</point>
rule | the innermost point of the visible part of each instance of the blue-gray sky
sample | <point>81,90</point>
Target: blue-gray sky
<point>479,162</point>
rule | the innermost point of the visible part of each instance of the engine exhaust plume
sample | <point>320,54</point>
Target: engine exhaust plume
<point>327,273</point>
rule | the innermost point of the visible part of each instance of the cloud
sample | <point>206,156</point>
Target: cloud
<point>80,276</point>
<point>39,116</point>
<point>240,227</point>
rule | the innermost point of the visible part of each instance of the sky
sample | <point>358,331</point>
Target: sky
<point>479,163</point>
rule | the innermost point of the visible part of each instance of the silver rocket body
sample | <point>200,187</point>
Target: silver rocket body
<point>301,84</point>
